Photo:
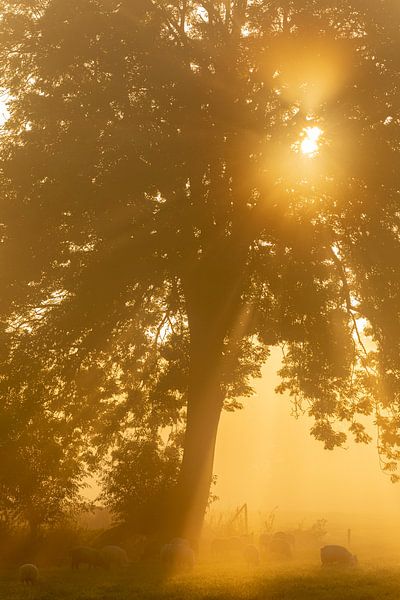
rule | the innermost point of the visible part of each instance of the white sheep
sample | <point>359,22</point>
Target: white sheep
<point>114,556</point>
<point>178,555</point>
<point>29,574</point>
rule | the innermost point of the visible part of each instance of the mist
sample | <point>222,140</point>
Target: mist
<point>200,299</point>
<point>266,457</point>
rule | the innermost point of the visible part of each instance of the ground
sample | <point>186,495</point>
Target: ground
<point>293,581</point>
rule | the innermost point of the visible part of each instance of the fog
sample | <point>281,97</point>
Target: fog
<point>267,458</point>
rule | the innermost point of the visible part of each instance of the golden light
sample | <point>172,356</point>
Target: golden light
<point>4,114</point>
<point>309,145</point>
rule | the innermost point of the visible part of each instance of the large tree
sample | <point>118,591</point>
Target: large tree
<point>155,194</point>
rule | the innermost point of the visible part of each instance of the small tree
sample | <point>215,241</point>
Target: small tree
<point>139,482</point>
<point>45,454</point>
<point>41,471</point>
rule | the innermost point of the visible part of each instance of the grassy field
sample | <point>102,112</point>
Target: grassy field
<point>211,582</point>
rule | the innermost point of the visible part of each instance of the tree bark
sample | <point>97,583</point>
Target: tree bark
<point>34,531</point>
<point>213,299</point>
<point>205,401</point>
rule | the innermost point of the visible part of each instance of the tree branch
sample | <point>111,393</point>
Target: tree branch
<point>346,289</point>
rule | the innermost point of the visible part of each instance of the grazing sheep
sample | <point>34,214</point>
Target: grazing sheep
<point>280,548</point>
<point>114,556</point>
<point>337,555</point>
<point>251,555</point>
<point>178,555</point>
<point>180,541</point>
<point>84,555</point>
<point>28,574</point>
<point>284,536</point>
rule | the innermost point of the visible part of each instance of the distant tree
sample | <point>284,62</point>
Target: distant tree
<point>153,189</point>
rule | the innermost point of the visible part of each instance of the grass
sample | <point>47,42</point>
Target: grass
<point>210,582</point>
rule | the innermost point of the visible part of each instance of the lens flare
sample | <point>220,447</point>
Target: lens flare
<point>309,145</point>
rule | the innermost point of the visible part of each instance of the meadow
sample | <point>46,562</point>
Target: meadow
<point>294,581</point>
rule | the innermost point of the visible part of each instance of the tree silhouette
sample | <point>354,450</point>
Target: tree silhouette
<point>154,194</point>
<point>43,459</point>
<point>139,483</point>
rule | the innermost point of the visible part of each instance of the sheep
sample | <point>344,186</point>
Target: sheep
<point>177,555</point>
<point>337,555</point>
<point>114,556</point>
<point>179,541</point>
<point>86,555</point>
<point>28,574</point>
<point>285,536</point>
<point>251,555</point>
<point>280,548</point>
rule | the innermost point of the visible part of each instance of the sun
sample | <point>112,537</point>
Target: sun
<point>309,144</point>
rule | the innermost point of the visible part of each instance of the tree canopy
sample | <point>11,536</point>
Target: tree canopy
<point>161,227</point>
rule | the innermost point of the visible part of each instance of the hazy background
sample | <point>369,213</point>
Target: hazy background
<point>266,457</point>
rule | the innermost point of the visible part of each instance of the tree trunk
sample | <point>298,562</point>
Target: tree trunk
<point>212,300</point>
<point>34,531</point>
<point>205,401</point>
<point>212,288</point>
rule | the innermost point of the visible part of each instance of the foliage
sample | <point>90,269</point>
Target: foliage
<point>170,230</point>
<point>312,535</point>
<point>42,464</point>
<point>139,482</point>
